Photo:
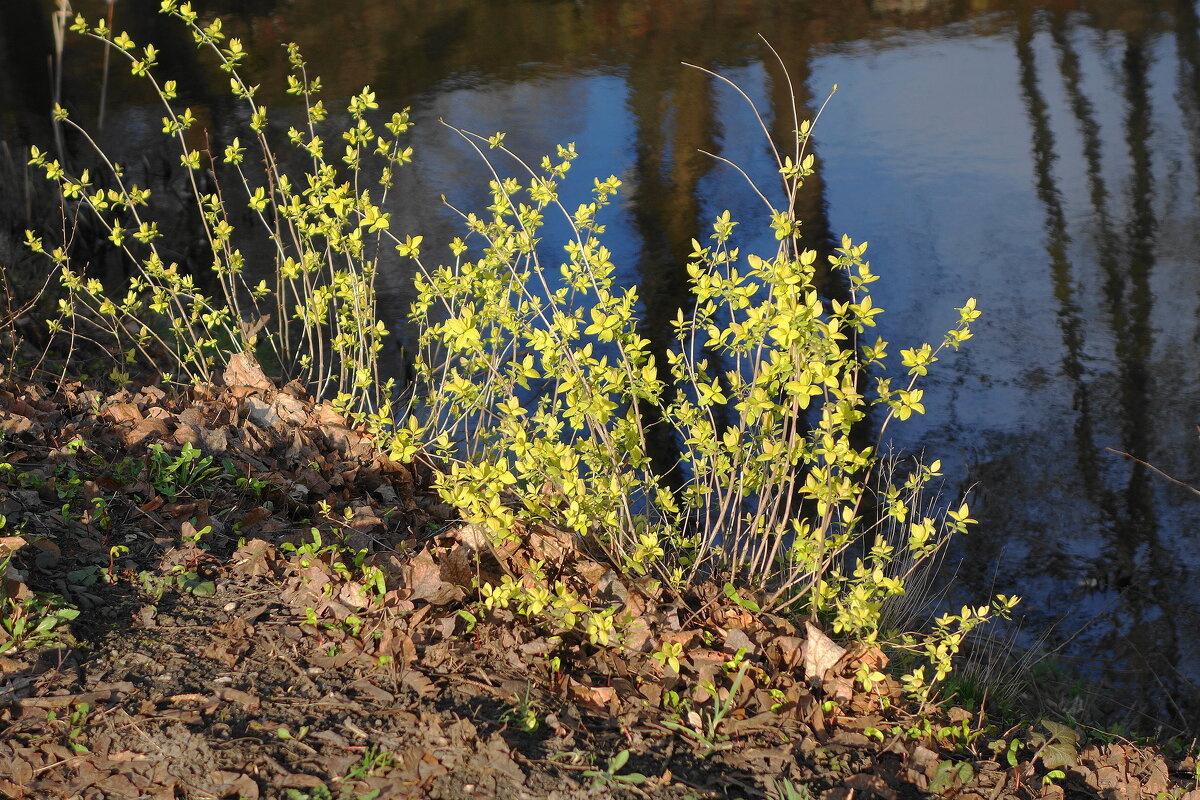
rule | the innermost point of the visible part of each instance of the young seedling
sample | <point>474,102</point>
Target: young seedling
<point>523,715</point>
<point>187,473</point>
<point>707,733</point>
<point>784,789</point>
<point>610,774</point>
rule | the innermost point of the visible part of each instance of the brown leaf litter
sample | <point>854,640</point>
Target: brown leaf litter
<point>223,655</point>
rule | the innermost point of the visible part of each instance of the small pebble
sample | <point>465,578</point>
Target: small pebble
<point>230,606</point>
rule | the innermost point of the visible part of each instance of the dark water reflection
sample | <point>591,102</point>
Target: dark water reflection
<point>1041,156</point>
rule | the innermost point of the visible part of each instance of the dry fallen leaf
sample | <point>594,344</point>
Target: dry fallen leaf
<point>596,697</point>
<point>424,578</point>
<point>786,652</point>
<point>124,412</point>
<point>10,544</point>
<point>244,371</point>
<point>256,557</point>
<point>246,700</point>
<point>870,785</point>
<point>353,595</point>
<point>244,788</point>
<point>419,683</point>
<point>22,771</point>
<point>146,429</point>
<point>820,653</point>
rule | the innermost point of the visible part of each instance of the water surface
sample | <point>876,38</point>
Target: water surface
<point>1043,157</point>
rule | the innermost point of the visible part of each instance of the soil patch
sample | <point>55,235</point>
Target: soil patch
<point>268,607</point>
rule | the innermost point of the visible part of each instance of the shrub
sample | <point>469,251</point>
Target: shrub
<point>541,390</point>
<point>316,317</point>
<point>537,387</point>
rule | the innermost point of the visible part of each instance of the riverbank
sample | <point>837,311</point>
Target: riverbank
<point>227,592</point>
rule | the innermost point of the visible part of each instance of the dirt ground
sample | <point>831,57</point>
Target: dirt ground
<point>220,651</point>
